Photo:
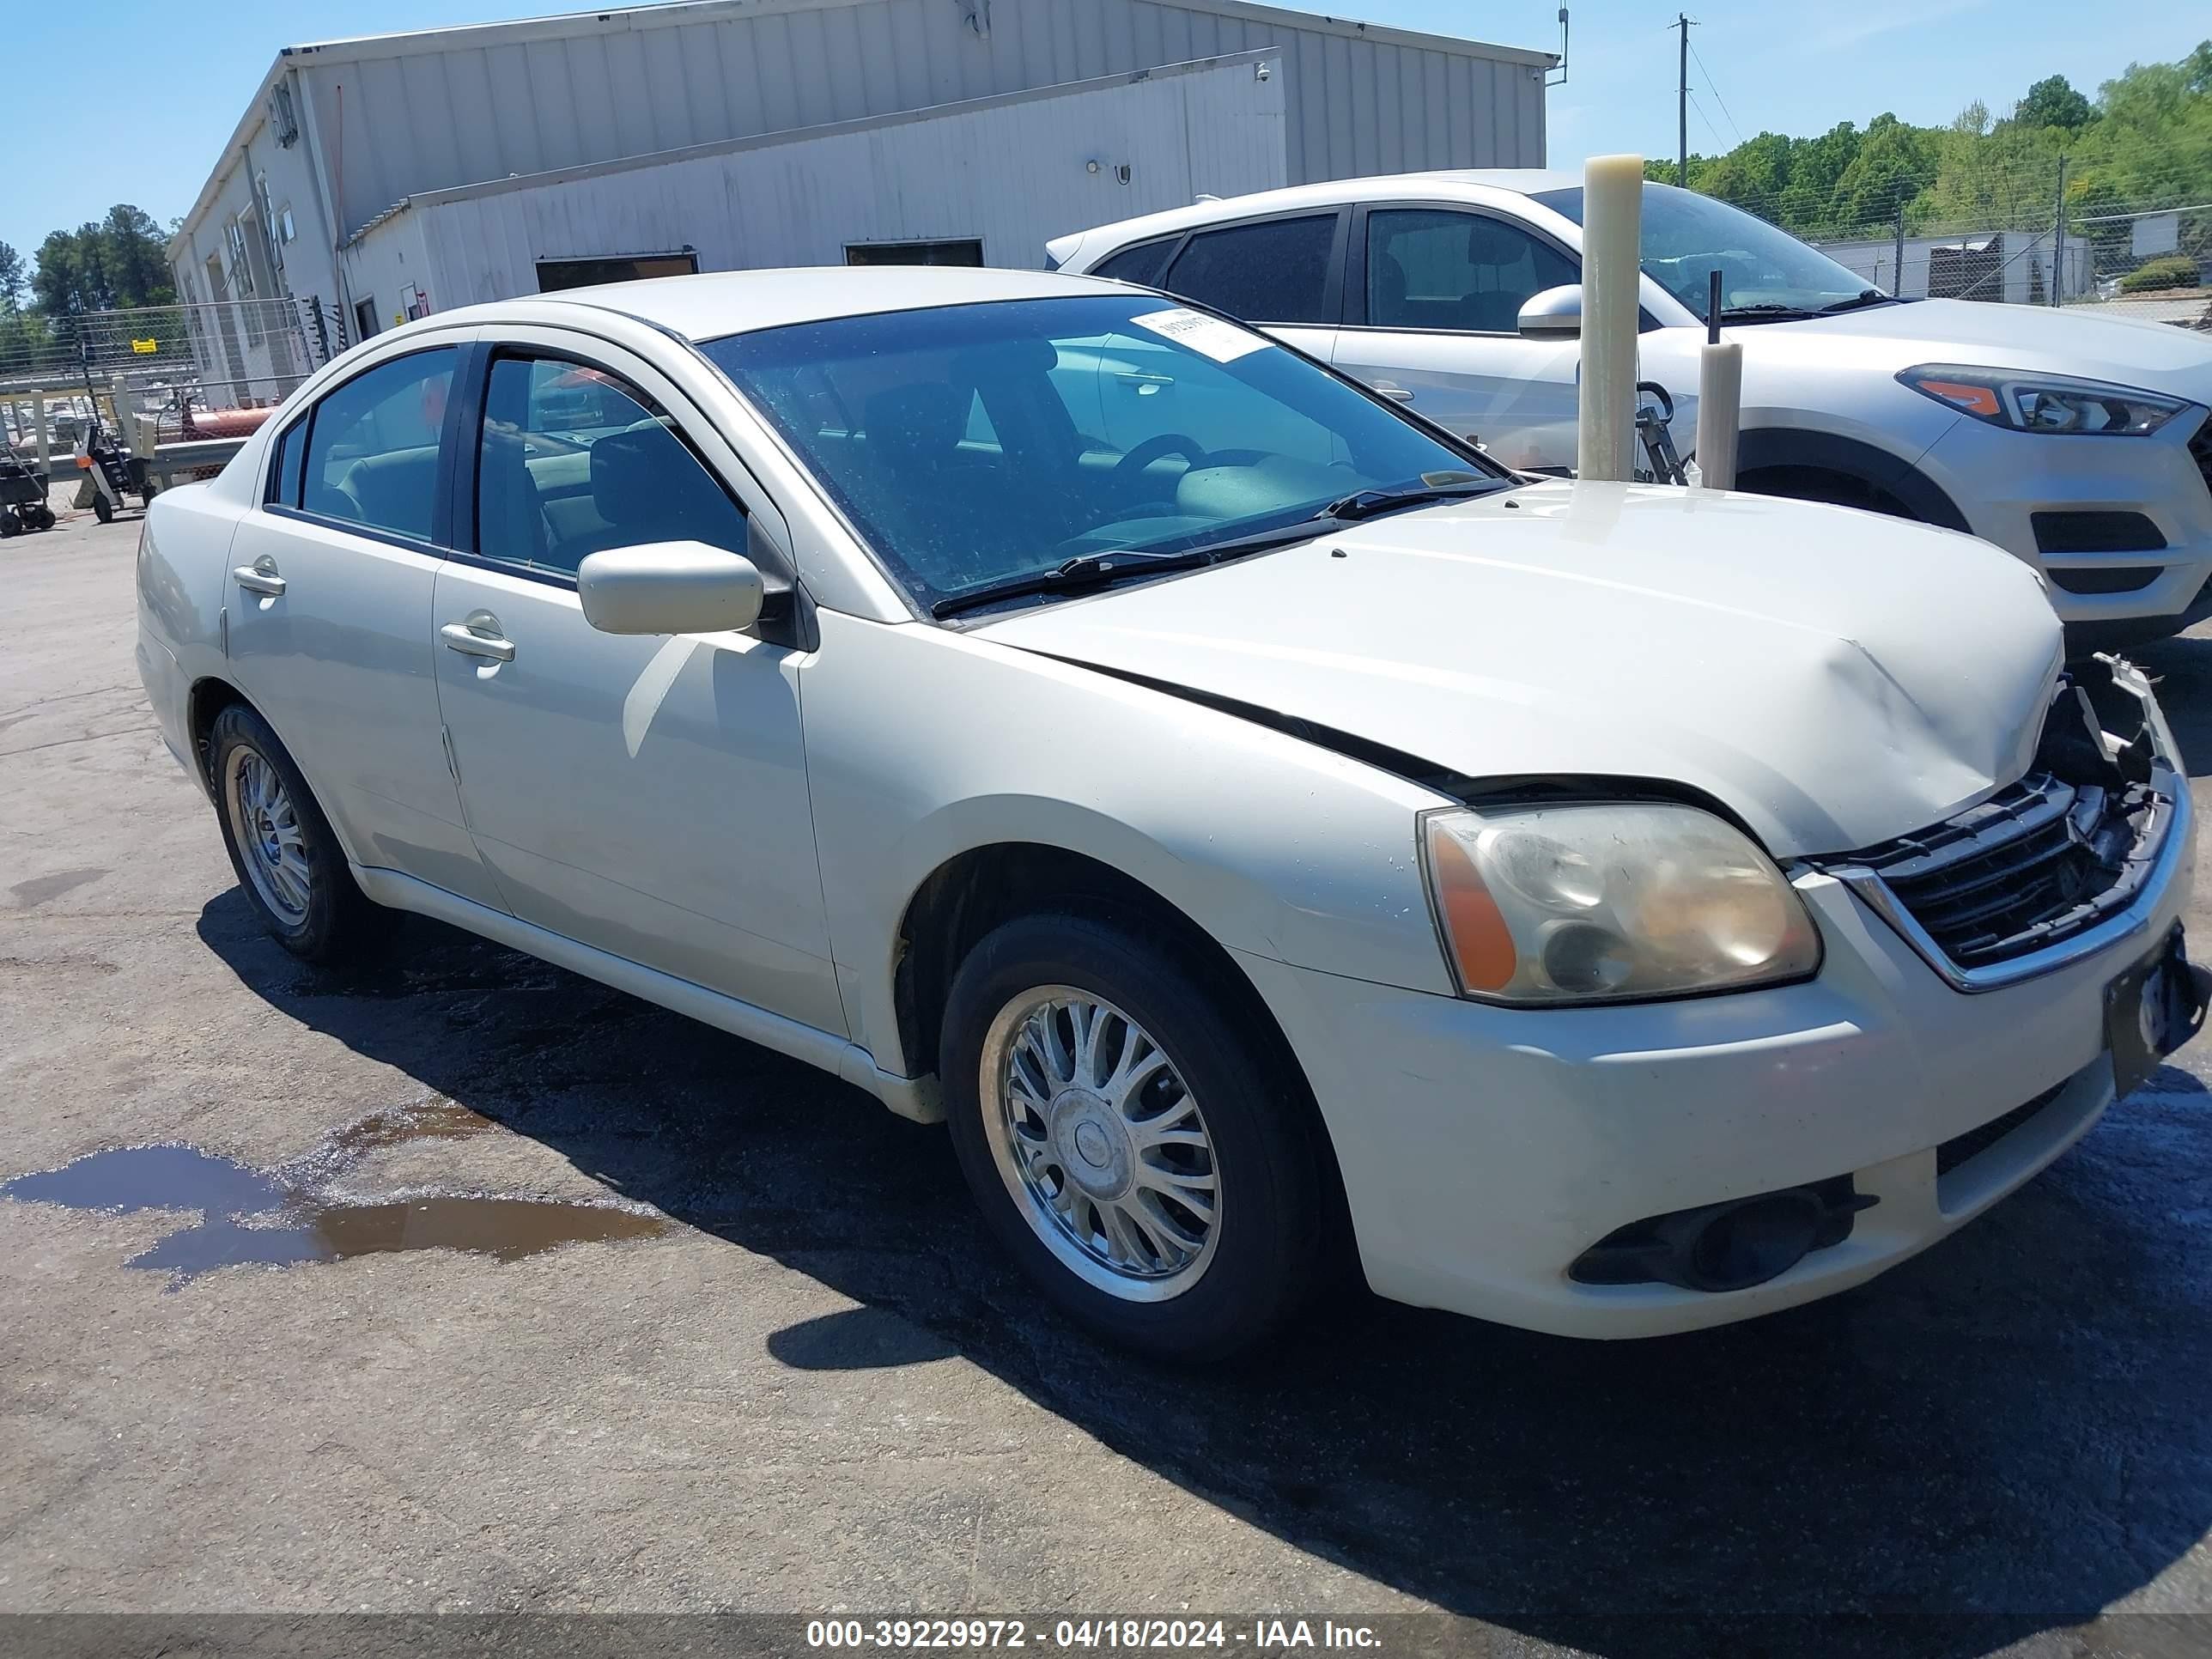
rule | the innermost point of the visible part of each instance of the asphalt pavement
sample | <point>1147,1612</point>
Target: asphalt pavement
<point>564,1303</point>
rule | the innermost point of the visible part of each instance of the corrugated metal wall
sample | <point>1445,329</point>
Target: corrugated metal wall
<point>1011,174</point>
<point>567,92</point>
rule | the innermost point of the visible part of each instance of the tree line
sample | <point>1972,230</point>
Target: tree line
<point>104,264</point>
<point>2145,141</point>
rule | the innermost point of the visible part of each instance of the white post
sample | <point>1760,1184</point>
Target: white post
<point>1613,228</point>
<point>134,428</point>
<point>1720,407</point>
<point>38,427</point>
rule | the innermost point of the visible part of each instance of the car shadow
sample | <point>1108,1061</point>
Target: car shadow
<point>2001,1437</point>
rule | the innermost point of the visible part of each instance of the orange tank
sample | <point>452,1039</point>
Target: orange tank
<point>229,422</point>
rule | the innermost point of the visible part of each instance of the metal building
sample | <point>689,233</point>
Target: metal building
<point>340,133</point>
<point>985,181</point>
<point>2014,266</point>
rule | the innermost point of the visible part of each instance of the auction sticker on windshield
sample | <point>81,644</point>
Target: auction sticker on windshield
<point>1209,336</point>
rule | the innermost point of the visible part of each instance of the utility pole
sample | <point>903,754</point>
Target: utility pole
<point>1897,284</point>
<point>1682,106</point>
<point>2058,241</point>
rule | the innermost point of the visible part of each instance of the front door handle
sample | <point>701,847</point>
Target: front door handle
<point>1397,394</point>
<point>260,577</point>
<point>478,637</point>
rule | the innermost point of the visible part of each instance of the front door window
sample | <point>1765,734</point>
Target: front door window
<point>1433,268</point>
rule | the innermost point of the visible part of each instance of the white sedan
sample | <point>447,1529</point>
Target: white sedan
<point>1579,904</point>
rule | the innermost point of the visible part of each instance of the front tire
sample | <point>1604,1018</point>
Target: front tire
<point>1136,1148</point>
<point>289,861</point>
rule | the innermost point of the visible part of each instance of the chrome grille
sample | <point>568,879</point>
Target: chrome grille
<point>2034,865</point>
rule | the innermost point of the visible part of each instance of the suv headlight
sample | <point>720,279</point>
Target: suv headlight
<point>2045,403</point>
<point>1609,902</point>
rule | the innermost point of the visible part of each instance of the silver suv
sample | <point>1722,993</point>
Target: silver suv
<point>2081,444</point>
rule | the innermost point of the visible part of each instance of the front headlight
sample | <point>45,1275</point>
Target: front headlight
<point>1609,902</point>
<point>2044,402</point>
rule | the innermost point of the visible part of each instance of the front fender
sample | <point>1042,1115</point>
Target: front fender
<point>924,744</point>
<point>1851,457</point>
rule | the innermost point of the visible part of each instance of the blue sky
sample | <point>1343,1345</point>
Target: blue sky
<point>73,156</point>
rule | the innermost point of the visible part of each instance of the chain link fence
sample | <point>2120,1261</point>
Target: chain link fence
<point>2032,231</point>
<point>2137,263</point>
<point>191,366</point>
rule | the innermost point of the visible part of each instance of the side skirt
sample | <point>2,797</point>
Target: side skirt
<point>918,1098</point>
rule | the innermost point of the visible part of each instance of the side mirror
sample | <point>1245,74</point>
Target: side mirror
<point>1554,314</point>
<point>670,588</point>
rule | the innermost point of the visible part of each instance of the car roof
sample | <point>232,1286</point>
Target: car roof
<point>714,303</point>
<point>1379,188</point>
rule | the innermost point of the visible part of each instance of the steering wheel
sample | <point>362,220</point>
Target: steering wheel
<point>1158,448</point>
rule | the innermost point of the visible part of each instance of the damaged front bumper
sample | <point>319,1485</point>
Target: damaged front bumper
<point>1860,1116</point>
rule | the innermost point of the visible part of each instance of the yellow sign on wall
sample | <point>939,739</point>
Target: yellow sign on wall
<point>145,347</point>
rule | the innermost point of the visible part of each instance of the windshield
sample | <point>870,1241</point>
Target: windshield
<point>974,444</point>
<point>1687,236</point>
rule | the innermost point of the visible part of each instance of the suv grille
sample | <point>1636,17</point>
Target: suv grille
<point>2200,447</point>
<point>2035,864</point>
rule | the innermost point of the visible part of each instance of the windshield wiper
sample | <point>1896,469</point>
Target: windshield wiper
<point>1084,570</point>
<point>1125,564</point>
<point>1859,301</point>
<point>1765,313</point>
<point>1372,503</point>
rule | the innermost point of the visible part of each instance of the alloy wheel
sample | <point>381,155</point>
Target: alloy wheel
<point>266,825</point>
<point>1101,1144</point>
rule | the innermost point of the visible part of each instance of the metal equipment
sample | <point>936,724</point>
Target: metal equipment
<point>23,495</point>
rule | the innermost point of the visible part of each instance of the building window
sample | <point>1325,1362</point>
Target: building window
<point>554,274</point>
<point>969,253</point>
<point>364,319</point>
<point>241,273</point>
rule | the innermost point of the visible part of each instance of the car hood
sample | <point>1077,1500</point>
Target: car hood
<point>2155,356</point>
<point>1834,677</point>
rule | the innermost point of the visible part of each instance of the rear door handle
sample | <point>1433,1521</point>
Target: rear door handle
<point>479,636</point>
<point>260,577</point>
<point>1397,394</point>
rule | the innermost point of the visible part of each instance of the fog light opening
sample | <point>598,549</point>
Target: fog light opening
<point>1729,1246</point>
<point>1748,1243</point>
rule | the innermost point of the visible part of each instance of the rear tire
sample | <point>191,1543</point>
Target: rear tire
<point>288,859</point>
<point>102,508</point>
<point>1142,1155</point>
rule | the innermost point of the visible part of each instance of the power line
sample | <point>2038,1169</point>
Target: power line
<point>1702,115</point>
<point>1712,85</point>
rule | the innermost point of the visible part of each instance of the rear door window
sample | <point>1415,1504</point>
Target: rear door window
<point>1276,271</point>
<point>372,455</point>
<point>1141,264</point>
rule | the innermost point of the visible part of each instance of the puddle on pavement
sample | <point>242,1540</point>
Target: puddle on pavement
<point>250,1216</point>
<point>429,1120</point>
